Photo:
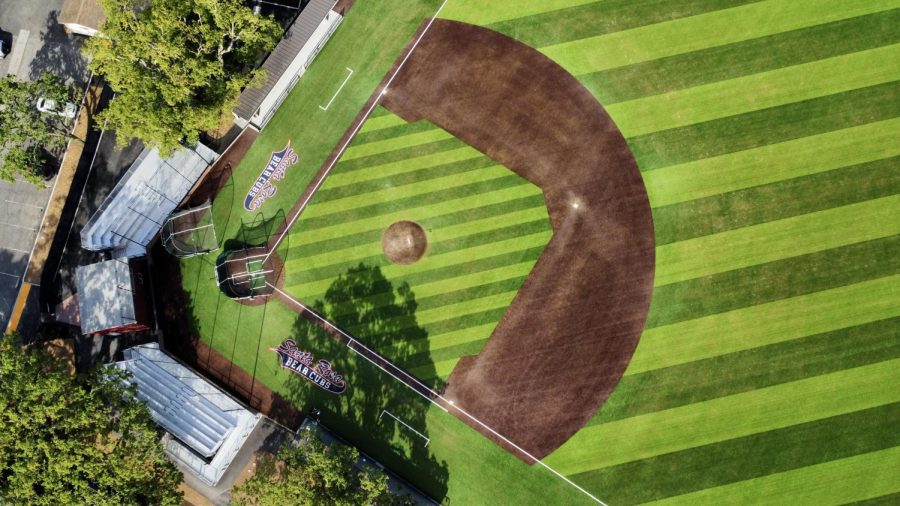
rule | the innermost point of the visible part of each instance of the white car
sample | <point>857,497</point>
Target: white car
<point>50,107</point>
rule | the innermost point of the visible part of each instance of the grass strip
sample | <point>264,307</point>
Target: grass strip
<point>754,456</point>
<point>359,150</point>
<point>695,33</point>
<point>751,206</point>
<point>776,240</point>
<point>742,371</point>
<point>598,18</point>
<point>729,61</point>
<point>473,11</point>
<point>782,279</point>
<point>769,164</point>
<point>727,418</point>
<point>834,482</point>
<point>757,91</point>
<point>764,324</point>
<point>767,126</point>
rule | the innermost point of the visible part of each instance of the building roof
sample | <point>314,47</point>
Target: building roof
<point>86,13</point>
<point>208,426</point>
<point>296,36</point>
<point>105,297</point>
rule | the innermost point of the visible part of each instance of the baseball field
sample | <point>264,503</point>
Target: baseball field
<point>765,134</point>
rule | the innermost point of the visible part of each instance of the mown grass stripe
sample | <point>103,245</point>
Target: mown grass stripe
<point>446,354</point>
<point>398,168</point>
<point>444,340</point>
<point>473,11</point>
<point>598,18</point>
<point>445,271</point>
<point>835,482</point>
<point>386,120</point>
<point>359,150</point>
<point>380,111</point>
<point>721,63</point>
<point>762,283</point>
<point>757,91</point>
<point>448,221</point>
<point>436,293</point>
<point>387,195</point>
<point>364,162</point>
<point>695,33</point>
<point>776,162</point>
<point>744,208</point>
<point>775,240</point>
<point>742,371</point>
<point>882,500</point>
<point>727,418</point>
<point>438,370</point>
<point>748,457</point>
<point>468,190</point>
<point>324,227</point>
<point>764,324</point>
<point>391,132</point>
<point>480,232</point>
<point>317,280</point>
<point>418,174</point>
<point>767,126</point>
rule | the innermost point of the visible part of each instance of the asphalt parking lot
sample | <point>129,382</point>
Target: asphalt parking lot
<point>38,43</point>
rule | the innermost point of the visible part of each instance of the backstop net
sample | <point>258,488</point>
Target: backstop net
<point>190,232</point>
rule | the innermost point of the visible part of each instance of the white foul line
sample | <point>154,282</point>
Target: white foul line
<point>435,394</point>
<point>341,87</point>
<point>359,125</point>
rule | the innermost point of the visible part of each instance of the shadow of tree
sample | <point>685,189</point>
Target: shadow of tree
<point>59,54</point>
<point>379,314</point>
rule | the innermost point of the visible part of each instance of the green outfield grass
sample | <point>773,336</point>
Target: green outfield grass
<point>766,133</point>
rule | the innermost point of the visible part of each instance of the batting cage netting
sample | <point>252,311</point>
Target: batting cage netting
<point>190,232</point>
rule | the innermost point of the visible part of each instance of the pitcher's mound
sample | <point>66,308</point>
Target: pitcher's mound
<point>404,242</point>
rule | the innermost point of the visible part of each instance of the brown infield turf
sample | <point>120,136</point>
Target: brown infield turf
<point>565,341</point>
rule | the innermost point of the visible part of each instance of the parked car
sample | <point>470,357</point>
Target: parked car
<point>50,106</point>
<point>4,50</point>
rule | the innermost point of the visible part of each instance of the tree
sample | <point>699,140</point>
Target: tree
<point>25,132</point>
<point>177,65</point>
<point>314,473</point>
<point>81,439</point>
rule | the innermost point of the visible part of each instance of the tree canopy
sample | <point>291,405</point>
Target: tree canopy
<point>81,439</point>
<point>314,473</point>
<point>25,132</point>
<point>176,65</point>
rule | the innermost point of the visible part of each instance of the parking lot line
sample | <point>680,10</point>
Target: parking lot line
<point>18,51</point>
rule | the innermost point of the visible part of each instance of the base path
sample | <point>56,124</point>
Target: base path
<point>568,336</point>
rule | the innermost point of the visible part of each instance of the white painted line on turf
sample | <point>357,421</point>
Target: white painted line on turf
<point>388,413</point>
<point>359,125</point>
<point>436,395</point>
<point>341,87</point>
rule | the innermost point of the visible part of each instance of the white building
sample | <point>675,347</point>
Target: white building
<point>285,65</point>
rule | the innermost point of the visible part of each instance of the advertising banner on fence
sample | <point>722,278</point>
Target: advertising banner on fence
<point>303,363</point>
<point>264,186</point>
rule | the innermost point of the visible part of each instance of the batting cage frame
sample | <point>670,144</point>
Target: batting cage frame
<point>246,269</point>
<point>190,232</point>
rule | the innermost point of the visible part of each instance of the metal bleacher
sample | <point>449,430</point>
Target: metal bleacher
<point>205,427</point>
<point>136,208</point>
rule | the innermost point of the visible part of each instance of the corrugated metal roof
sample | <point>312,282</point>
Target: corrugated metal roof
<point>284,53</point>
<point>105,299</point>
